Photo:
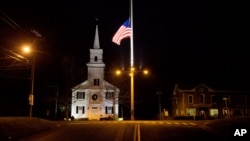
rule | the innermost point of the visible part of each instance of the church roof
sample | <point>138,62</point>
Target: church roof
<point>85,85</point>
<point>189,86</point>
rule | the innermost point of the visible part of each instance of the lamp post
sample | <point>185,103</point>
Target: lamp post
<point>26,49</point>
<point>132,92</point>
<point>132,72</point>
<point>31,96</point>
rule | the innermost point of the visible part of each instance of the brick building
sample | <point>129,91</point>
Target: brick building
<point>204,102</point>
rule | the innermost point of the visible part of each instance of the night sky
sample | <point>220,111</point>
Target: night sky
<point>187,42</point>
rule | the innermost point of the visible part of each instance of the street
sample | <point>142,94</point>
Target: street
<point>127,131</point>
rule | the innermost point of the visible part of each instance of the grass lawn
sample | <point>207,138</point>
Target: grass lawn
<point>12,128</point>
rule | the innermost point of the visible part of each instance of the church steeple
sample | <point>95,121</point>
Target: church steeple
<point>96,41</point>
<point>96,65</point>
<point>96,53</point>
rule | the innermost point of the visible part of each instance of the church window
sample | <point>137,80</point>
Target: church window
<point>109,110</point>
<point>80,109</point>
<point>109,95</point>
<point>96,82</point>
<point>80,95</point>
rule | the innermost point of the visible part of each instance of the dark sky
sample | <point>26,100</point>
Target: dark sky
<point>195,41</point>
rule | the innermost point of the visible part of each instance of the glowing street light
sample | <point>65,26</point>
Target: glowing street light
<point>118,72</point>
<point>26,49</point>
<point>145,72</point>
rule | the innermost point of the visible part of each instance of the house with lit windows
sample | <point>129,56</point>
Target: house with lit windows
<point>203,102</point>
<point>95,98</point>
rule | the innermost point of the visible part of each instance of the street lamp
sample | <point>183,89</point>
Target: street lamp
<point>132,72</point>
<point>27,50</point>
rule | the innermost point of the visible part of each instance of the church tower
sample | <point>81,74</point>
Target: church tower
<point>96,65</point>
<point>95,98</point>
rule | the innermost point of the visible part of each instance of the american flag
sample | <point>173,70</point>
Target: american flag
<point>123,32</point>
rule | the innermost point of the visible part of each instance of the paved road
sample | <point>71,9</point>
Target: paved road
<point>128,131</point>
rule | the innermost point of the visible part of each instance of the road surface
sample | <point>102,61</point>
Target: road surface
<point>171,130</point>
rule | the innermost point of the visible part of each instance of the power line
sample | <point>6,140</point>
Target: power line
<point>16,26</point>
<point>11,22</point>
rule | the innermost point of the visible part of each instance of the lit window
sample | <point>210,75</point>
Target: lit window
<point>214,112</point>
<point>191,111</point>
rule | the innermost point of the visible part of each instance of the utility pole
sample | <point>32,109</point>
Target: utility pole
<point>31,96</point>
<point>56,99</point>
<point>159,93</point>
<point>33,63</point>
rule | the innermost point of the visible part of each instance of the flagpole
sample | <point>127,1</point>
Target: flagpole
<point>132,60</point>
<point>132,35</point>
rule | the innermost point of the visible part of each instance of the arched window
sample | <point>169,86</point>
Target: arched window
<point>202,98</point>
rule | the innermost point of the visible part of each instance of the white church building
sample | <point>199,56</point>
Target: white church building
<point>95,98</point>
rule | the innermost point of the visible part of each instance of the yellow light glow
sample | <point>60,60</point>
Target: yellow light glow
<point>145,72</point>
<point>26,49</point>
<point>132,69</point>
<point>118,72</point>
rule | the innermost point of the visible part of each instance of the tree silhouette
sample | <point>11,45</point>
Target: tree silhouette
<point>72,74</point>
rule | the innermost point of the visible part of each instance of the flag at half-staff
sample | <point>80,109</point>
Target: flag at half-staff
<point>123,32</point>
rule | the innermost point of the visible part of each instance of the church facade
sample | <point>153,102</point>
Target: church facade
<point>95,98</point>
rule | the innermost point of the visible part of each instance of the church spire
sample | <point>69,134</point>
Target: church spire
<point>96,41</point>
